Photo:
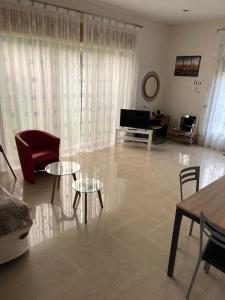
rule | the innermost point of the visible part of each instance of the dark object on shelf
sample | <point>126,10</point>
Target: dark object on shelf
<point>160,121</point>
<point>184,136</point>
<point>36,149</point>
<point>186,131</point>
<point>1,150</point>
<point>159,124</point>
<point>187,122</point>
<point>158,135</point>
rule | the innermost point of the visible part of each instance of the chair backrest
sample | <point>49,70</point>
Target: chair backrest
<point>34,138</point>
<point>215,233</point>
<point>189,174</point>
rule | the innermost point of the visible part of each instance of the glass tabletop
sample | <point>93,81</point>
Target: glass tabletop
<point>87,185</point>
<point>61,168</point>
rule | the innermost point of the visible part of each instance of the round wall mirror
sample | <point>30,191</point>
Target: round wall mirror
<point>150,86</point>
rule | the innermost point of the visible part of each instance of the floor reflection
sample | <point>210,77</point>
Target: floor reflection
<point>51,220</point>
<point>184,159</point>
<point>130,175</point>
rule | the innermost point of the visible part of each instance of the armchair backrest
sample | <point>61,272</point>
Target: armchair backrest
<point>35,139</point>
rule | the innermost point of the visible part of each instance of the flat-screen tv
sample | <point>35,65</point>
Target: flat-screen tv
<point>134,118</point>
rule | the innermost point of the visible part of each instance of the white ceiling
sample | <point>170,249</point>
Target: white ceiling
<point>170,11</point>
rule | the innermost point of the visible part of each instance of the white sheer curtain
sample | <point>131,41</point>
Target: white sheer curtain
<point>40,74</point>
<point>109,78</point>
<point>66,73</point>
<point>214,129</point>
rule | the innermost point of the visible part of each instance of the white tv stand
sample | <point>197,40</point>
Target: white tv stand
<point>121,134</point>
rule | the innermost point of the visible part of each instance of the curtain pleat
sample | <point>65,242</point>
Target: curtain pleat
<point>214,125</point>
<point>66,73</point>
<point>110,69</point>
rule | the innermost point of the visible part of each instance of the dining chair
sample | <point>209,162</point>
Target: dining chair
<point>214,251</point>
<point>186,175</point>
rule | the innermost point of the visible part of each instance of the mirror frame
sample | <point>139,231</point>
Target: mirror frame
<point>143,86</point>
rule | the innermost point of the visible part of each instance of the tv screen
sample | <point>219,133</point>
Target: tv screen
<point>134,118</point>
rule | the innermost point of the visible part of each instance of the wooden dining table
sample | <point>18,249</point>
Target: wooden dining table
<point>211,201</point>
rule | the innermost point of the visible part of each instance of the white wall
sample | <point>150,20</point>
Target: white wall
<point>191,39</point>
<point>154,43</point>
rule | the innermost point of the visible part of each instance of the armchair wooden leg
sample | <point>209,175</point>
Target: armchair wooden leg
<point>75,198</point>
<point>85,208</point>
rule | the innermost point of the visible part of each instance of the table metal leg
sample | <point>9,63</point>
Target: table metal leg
<point>85,207</point>
<point>191,227</point>
<point>174,242</point>
<point>100,199</point>
<point>53,188</point>
<point>75,198</point>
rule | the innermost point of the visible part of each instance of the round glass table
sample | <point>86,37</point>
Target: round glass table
<point>61,168</point>
<point>87,185</point>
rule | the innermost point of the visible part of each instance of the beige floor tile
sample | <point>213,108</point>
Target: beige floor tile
<point>122,253</point>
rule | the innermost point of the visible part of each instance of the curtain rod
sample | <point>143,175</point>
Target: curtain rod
<point>81,11</point>
<point>220,29</point>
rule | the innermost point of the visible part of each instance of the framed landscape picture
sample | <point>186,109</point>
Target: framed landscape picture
<point>187,66</point>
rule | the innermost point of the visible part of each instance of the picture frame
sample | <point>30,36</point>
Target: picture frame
<point>187,65</point>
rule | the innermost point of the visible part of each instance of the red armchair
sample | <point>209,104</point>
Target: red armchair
<point>36,149</point>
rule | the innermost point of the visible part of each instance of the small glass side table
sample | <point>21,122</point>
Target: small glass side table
<point>85,186</point>
<point>61,168</point>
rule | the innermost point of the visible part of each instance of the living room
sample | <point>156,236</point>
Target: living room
<point>102,217</point>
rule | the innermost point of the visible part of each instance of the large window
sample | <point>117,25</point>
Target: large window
<point>59,76</point>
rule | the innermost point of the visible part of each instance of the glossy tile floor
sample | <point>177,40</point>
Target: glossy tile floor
<point>123,251</point>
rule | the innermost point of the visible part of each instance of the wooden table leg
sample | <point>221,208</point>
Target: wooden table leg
<point>100,199</point>
<point>59,182</point>
<point>174,242</point>
<point>53,188</point>
<point>75,198</point>
<point>85,207</point>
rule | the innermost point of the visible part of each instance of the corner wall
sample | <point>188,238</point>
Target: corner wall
<point>191,39</point>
